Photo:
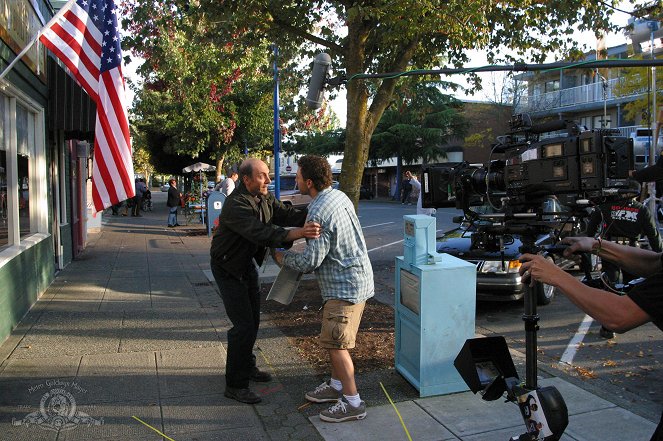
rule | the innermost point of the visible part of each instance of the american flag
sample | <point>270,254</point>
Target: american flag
<point>86,39</point>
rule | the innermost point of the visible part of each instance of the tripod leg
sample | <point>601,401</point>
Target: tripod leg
<point>531,319</point>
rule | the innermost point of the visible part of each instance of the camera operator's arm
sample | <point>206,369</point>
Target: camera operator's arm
<point>615,312</point>
<point>634,260</point>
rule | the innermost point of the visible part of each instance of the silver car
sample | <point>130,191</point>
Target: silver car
<point>289,193</point>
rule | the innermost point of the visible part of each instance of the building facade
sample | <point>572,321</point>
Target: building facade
<point>46,121</point>
<point>592,97</point>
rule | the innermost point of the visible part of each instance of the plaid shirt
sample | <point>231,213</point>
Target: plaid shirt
<point>339,255</point>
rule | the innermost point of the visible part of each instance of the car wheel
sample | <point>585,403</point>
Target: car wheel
<point>545,293</point>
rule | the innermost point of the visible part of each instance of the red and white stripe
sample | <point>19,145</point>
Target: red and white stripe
<point>75,39</point>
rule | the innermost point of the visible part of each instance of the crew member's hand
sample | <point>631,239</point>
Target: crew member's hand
<point>578,244</point>
<point>536,268</point>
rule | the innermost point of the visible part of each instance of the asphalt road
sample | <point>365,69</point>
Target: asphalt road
<point>625,369</point>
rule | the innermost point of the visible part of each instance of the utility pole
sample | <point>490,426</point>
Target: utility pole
<point>277,128</point>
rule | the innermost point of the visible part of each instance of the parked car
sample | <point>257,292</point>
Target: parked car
<point>289,193</point>
<point>641,142</point>
<point>497,274</point>
<point>165,187</point>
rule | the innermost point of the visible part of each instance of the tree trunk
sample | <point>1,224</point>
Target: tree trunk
<point>362,120</point>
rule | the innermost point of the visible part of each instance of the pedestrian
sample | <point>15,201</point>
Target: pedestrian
<point>623,222</point>
<point>174,197</point>
<point>250,221</point>
<point>642,304</point>
<point>416,188</point>
<point>141,188</point>
<point>128,206</point>
<point>343,269</point>
<point>227,185</point>
<point>406,188</point>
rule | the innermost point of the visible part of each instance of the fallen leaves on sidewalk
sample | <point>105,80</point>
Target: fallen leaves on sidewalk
<point>374,348</point>
<point>585,373</point>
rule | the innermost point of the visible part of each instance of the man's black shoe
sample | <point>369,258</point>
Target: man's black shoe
<point>242,395</point>
<point>260,376</point>
<point>606,333</point>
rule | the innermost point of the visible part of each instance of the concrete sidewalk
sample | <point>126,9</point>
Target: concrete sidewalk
<point>129,343</point>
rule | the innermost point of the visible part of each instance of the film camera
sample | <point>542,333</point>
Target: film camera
<point>577,170</point>
<point>580,168</point>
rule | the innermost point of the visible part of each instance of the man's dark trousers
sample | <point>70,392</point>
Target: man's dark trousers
<point>241,298</point>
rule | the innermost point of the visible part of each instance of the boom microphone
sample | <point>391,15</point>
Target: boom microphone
<point>316,85</point>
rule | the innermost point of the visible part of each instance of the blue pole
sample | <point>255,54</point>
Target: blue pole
<point>277,129</point>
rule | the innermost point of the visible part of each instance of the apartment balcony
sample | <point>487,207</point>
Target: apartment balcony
<point>574,99</point>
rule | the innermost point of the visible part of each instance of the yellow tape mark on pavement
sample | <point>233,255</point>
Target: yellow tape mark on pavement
<point>143,422</point>
<point>397,412</point>
<point>267,360</point>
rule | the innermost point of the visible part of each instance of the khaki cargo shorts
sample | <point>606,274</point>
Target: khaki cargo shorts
<point>340,322</point>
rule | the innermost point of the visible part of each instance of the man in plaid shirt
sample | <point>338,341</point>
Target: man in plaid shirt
<point>341,264</point>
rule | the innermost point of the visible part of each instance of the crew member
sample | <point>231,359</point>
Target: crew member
<point>623,222</point>
<point>642,304</point>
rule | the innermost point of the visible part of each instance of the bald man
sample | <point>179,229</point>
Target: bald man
<point>250,221</point>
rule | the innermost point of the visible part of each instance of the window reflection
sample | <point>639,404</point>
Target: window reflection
<point>25,140</point>
<point>23,195</point>
<point>4,225</point>
<point>4,230</point>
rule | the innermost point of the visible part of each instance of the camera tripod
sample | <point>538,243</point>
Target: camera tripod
<point>543,409</point>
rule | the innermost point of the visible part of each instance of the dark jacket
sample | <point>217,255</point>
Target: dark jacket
<point>242,236</point>
<point>625,222</point>
<point>173,197</point>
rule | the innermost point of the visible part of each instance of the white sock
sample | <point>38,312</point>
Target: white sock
<point>353,400</point>
<point>336,384</point>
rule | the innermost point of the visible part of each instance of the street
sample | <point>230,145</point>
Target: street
<point>624,368</point>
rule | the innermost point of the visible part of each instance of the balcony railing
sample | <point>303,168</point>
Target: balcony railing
<point>573,96</point>
<point>623,131</point>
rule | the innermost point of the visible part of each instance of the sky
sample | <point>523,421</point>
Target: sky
<point>477,59</point>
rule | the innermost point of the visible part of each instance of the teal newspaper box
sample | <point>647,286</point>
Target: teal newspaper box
<point>435,306</point>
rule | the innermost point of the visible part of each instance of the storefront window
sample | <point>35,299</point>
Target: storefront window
<point>4,230</point>
<point>20,184</point>
<point>25,138</point>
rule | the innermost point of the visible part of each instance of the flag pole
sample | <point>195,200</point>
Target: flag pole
<point>25,50</point>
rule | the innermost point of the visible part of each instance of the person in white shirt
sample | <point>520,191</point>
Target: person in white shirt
<point>416,190</point>
<point>227,185</point>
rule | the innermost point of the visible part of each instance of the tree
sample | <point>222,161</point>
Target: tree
<point>202,96</point>
<point>636,81</point>
<point>393,36</point>
<point>419,122</point>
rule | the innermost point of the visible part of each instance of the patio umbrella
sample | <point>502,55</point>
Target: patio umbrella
<point>199,167</point>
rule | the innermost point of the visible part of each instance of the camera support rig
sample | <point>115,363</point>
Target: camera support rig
<point>577,170</point>
<point>543,409</point>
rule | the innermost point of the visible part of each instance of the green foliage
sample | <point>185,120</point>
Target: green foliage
<point>638,81</point>
<point>420,121</point>
<point>202,96</point>
<point>327,143</point>
<point>363,36</point>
